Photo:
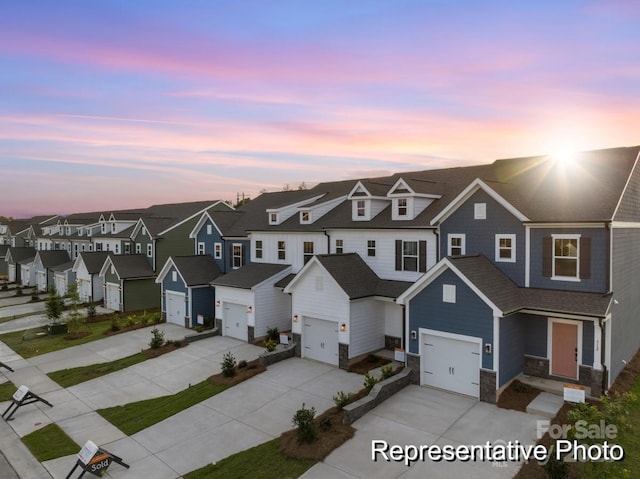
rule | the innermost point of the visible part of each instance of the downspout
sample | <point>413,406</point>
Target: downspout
<point>602,354</point>
<point>328,241</point>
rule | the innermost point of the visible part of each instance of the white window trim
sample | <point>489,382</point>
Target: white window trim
<point>448,293</point>
<point>217,250</point>
<point>405,207</point>
<point>273,218</point>
<point>138,248</point>
<point>463,243</point>
<point>305,254</point>
<point>174,276</point>
<point>209,229</point>
<point>149,250</point>
<point>308,219</point>
<point>555,277</point>
<point>341,246</point>
<point>416,256</point>
<point>201,248</point>
<point>369,248</point>
<point>512,237</point>
<point>479,211</point>
<point>283,249</point>
<point>259,249</point>
<point>234,255</point>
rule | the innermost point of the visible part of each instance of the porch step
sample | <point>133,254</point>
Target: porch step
<point>545,404</point>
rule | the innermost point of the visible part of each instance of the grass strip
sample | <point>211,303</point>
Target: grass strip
<point>7,390</point>
<point>72,376</point>
<point>260,462</point>
<point>50,442</point>
<point>136,416</point>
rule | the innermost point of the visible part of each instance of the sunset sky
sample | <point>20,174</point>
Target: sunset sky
<point>118,104</point>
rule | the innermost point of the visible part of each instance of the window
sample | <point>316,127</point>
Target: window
<point>339,246</point>
<point>98,247</point>
<point>138,248</point>
<point>361,208</point>
<point>410,256</point>
<point>565,256</point>
<point>506,248</point>
<point>371,247</point>
<point>237,255</point>
<point>108,247</point>
<point>144,231</point>
<point>282,254</point>
<point>305,217</point>
<point>149,250</point>
<point>456,245</point>
<point>174,276</point>
<point>209,229</point>
<point>307,251</point>
<point>402,207</point>
<point>448,293</point>
<point>273,218</point>
<point>117,248</point>
<point>68,230</point>
<point>103,228</point>
<point>480,211</point>
<point>113,227</point>
<point>127,248</point>
<point>258,249</point>
<point>200,247</point>
<point>217,250</point>
<point>90,247</point>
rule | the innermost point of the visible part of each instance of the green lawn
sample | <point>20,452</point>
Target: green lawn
<point>136,416</point>
<point>261,462</point>
<point>630,440</point>
<point>50,442</point>
<point>7,390</point>
<point>70,377</point>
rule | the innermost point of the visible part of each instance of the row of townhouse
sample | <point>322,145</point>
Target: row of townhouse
<point>481,273</point>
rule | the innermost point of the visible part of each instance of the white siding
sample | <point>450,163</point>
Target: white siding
<point>236,296</point>
<point>367,327</point>
<point>294,247</point>
<point>392,320</point>
<point>272,309</point>
<point>319,211</point>
<point>384,262</point>
<point>329,303</point>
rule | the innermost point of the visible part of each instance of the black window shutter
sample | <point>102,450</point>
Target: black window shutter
<point>585,258</point>
<point>547,256</point>
<point>422,256</point>
<point>398,255</point>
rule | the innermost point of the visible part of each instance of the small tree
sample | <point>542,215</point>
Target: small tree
<point>54,305</point>
<point>306,428</point>
<point>74,319</point>
<point>228,365</point>
<point>157,339</point>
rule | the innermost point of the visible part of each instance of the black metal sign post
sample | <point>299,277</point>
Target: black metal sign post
<point>22,397</point>
<point>3,365</point>
<point>94,460</point>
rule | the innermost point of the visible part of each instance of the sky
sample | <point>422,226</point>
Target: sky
<point>108,105</point>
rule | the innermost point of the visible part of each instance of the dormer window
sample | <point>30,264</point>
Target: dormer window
<point>361,208</point>
<point>144,231</point>
<point>103,228</point>
<point>305,216</point>
<point>402,207</point>
<point>113,227</point>
<point>273,218</point>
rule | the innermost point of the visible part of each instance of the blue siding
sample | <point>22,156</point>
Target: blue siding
<point>597,283</point>
<point>170,285</point>
<point>469,315</point>
<point>209,240</point>
<point>587,343</point>
<point>202,302</point>
<point>536,334</point>
<point>228,252</point>
<point>481,234</point>
<point>512,347</point>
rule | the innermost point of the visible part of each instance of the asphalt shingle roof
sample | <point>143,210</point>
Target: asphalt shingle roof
<point>132,266</point>
<point>21,253</point>
<point>249,275</point>
<point>197,269</point>
<point>93,260</point>
<point>52,258</point>
<point>63,266</point>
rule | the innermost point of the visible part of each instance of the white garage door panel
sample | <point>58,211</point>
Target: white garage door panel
<point>235,321</point>
<point>175,308</point>
<point>42,281</point>
<point>451,364</point>
<point>112,299</point>
<point>321,340</point>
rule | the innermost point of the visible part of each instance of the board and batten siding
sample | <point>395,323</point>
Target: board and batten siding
<point>294,247</point>
<point>384,261</point>
<point>366,327</point>
<point>317,295</point>
<point>141,294</point>
<point>468,316</point>
<point>480,234</point>
<point>272,309</point>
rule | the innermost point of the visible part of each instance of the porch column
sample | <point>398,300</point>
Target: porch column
<point>597,345</point>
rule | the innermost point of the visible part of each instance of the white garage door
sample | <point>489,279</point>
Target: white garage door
<point>42,281</point>
<point>320,339</point>
<point>175,308</point>
<point>24,275</point>
<point>12,273</point>
<point>451,363</point>
<point>60,284</point>
<point>84,289</point>
<point>112,297</point>
<point>235,321</point>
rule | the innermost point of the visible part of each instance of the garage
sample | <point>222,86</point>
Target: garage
<point>12,273</point>
<point>42,281</point>
<point>175,307</point>
<point>112,297</point>
<point>451,362</point>
<point>235,321</point>
<point>320,338</point>
<point>84,290</point>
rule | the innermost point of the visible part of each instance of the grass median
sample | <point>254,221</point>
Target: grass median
<point>72,376</point>
<point>50,442</point>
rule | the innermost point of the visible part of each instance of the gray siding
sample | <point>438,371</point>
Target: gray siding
<point>512,347</point>
<point>481,234</point>
<point>597,283</point>
<point>536,334</point>
<point>469,315</point>
<point>625,315</point>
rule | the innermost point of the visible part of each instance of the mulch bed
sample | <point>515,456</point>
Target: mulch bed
<point>165,348</point>
<point>517,396</point>
<point>133,327</point>
<point>623,383</point>
<point>367,364</point>
<point>77,335</point>
<point>252,368</point>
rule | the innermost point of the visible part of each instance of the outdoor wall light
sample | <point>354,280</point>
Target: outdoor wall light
<point>487,348</point>
<point>295,318</point>
<point>218,303</point>
<point>249,309</point>
<point>343,327</point>
<point>414,335</point>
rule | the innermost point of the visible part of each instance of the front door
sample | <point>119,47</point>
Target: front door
<point>564,355</point>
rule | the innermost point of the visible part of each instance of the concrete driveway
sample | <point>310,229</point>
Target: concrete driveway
<point>24,308</point>
<point>419,415</point>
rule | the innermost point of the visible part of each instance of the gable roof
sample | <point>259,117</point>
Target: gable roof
<point>129,266</point>
<point>50,258</point>
<point>250,275</point>
<point>21,253</point>
<point>195,270</point>
<point>63,266</point>
<point>93,260</point>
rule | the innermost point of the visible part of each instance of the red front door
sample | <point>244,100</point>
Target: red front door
<point>564,354</point>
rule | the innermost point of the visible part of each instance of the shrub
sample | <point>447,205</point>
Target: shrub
<point>270,345</point>
<point>131,320</point>
<point>228,365</point>
<point>157,339</point>
<point>54,305</point>
<point>91,312</point>
<point>306,428</point>
<point>369,381</point>
<point>115,324</point>
<point>242,364</point>
<point>341,399</point>
<point>387,371</point>
<point>273,334</point>
<point>556,469</point>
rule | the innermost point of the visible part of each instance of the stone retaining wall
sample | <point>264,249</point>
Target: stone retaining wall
<point>280,354</point>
